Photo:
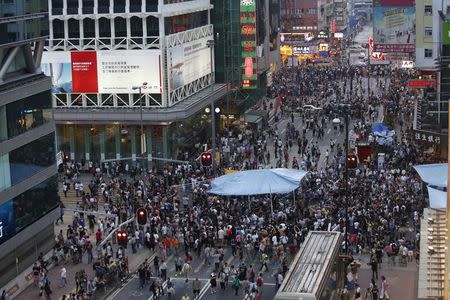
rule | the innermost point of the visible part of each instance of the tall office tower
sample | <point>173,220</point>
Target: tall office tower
<point>28,180</point>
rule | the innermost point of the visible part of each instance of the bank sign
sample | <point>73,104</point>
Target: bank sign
<point>248,43</point>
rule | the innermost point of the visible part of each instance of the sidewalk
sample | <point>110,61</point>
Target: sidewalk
<point>32,292</point>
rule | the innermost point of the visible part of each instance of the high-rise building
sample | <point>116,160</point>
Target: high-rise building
<point>28,180</point>
<point>428,33</point>
<point>119,66</point>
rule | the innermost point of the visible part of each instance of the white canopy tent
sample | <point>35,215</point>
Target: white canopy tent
<point>258,182</point>
<point>435,175</point>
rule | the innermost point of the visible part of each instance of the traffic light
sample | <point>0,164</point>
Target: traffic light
<point>206,159</point>
<point>141,214</point>
<point>122,238</point>
<point>352,161</point>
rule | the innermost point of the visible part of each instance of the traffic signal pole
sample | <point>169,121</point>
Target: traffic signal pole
<point>346,180</point>
<point>213,137</point>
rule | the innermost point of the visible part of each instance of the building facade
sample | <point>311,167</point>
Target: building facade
<point>28,181</point>
<point>333,15</point>
<point>299,16</point>
<point>428,33</point>
<point>100,52</point>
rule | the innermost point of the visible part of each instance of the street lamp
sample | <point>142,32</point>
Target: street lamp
<point>210,44</point>
<point>336,122</point>
<point>143,146</point>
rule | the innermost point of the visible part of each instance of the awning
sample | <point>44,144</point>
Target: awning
<point>433,174</point>
<point>257,182</point>
<point>438,198</point>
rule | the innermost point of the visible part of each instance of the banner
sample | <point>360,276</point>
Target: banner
<point>105,71</point>
<point>248,43</point>
<point>394,26</point>
<point>446,33</point>
<point>189,62</point>
<point>7,221</point>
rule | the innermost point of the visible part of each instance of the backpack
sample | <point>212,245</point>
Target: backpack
<point>259,281</point>
<point>236,282</point>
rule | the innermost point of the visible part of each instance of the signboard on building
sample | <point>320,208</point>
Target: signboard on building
<point>431,138</point>
<point>115,71</point>
<point>446,33</point>
<point>394,25</point>
<point>189,62</point>
<point>419,83</point>
<point>407,64</point>
<point>7,221</point>
<point>248,40</point>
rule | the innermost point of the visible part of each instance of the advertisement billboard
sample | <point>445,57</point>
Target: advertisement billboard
<point>248,42</point>
<point>7,221</point>
<point>105,71</point>
<point>188,62</point>
<point>394,26</point>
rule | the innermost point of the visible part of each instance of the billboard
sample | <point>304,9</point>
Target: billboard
<point>248,42</point>
<point>188,62</point>
<point>105,71</point>
<point>394,26</point>
<point>7,221</point>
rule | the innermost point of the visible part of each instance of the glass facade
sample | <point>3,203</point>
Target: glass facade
<point>10,8</point>
<point>25,114</point>
<point>36,202</point>
<point>32,158</point>
<point>28,207</point>
<point>23,30</point>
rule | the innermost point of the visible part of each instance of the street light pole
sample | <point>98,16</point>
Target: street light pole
<point>142,121</point>
<point>347,194</point>
<point>210,44</point>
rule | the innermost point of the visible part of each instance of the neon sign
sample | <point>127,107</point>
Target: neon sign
<point>248,43</point>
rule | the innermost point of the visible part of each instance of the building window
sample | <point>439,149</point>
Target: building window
<point>428,31</point>
<point>428,10</point>
<point>428,53</point>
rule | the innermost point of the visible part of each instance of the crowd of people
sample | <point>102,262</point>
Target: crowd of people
<point>377,203</point>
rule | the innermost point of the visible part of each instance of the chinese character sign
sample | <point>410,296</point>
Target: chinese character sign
<point>248,43</point>
<point>429,137</point>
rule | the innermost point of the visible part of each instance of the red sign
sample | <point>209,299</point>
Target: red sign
<point>84,72</point>
<point>421,83</point>
<point>395,47</point>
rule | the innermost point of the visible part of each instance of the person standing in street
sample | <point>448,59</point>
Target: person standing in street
<point>63,275</point>
<point>196,285</point>
<point>384,288</point>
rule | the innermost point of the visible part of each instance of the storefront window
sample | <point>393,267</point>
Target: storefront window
<point>35,203</point>
<point>27,114</point>
<point>95,146</point>
<point>79,142</point>
<point>32,158</point>
<point>110,141</point>
<point>125,141</point>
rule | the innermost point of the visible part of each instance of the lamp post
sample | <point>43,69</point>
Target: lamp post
<point>210,44</point>
<point>337,121</point>
<point>144,85</point>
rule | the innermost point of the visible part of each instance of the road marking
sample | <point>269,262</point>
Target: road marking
<point>328,131</point>
<point>116,292</point>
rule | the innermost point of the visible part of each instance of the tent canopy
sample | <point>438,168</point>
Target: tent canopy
<point>433,174</point>
<point>257,182</point>
<point>438,198</point>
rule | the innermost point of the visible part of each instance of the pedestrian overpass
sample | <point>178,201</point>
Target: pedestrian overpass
<point>310,276</point>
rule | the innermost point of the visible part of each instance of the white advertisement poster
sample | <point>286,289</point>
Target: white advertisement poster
<point>189,62</point>
<point>115,71</point>
<point>119,71</point>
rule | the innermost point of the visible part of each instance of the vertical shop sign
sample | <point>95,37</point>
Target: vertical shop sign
<point>248,43</point>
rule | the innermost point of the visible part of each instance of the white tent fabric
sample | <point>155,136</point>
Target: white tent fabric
<point>433,174</point>
<point>257,182</point>
<point>438,199</point>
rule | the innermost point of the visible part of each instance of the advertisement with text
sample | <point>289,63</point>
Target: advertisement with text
<point>188,62</point>
<point>394,26</point>
<point>103,71</point>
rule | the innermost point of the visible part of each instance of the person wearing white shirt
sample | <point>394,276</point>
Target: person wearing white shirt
<point>63,274</point>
